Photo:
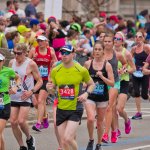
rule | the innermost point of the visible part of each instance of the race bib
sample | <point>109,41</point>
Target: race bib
<point>99,89</point>
<point>138,74</point>
<point>43,71</point>
<point>1,101</point>
<point>67,92</point>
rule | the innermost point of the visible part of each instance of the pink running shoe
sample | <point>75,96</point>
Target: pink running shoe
<point>114,137</point>
<point>105,138</point>
<point>45,123</point>
<point>37,127</point>
<point>118,133</point>
<point>128,126</point>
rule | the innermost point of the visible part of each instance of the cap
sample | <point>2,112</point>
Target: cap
<point>68,48</point>
<point>76,27</point>
<point>41,37</point>
<point>23,28</point>
<point>89,24</point>
<point>102,14</point>
<point>2,57</point>
<point>43,26</point>
<point>51,19</point>
<point>34,22</point>
<point>115,18</point>
<point>10,30</point>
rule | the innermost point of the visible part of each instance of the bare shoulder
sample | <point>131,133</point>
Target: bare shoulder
<point>11,62</point>
<point>87,64</point>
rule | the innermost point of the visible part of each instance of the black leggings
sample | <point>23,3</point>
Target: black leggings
<point>140,86</point>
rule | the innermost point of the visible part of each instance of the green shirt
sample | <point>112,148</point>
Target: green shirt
<point>5,75</point>
<point>69,83</point>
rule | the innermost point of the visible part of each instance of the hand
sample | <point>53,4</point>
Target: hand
<point>83,97</point>
<point>99,74</point>
<point>13,90</point>
<point>26,94</point>
<point>121,71</point>
<point>50,86</point>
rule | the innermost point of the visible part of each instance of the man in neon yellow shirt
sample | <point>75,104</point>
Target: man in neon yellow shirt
<point>68,79</point>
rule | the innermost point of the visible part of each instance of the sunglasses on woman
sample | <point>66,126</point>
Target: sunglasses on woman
<point>118,39</point>
<point>138,36</point>
<point>17,53</point>
<point>65,52</point>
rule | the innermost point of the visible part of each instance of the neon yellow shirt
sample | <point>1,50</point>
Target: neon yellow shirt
<point>69,84</point>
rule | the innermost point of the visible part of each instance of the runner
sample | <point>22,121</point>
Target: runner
<point>21,101</point>
<point>5,75</point>
<point>102,74</point>
<point>44,57</point>
<point>113,59</point>
<point>140,81</point>
<point>68,78</point>
<point>119,40</point>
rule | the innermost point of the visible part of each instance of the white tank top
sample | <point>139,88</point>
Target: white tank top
<point>27,82</point>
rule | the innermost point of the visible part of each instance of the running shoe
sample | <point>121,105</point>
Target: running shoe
<point>128,126</point>
<point>114,137</point>
<point>98,147</point>
<point>90,145</point>
<point>31,143</point>
<point>137,116</point>
<point>23,148</point>
<point>118,133</point>
<point>105,138</point>
<point>37,127</point>
<point>45,122</point>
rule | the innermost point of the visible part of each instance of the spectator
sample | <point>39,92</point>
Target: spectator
<point>40,16</point>
<point>19,11</point>
<point>30,9</point>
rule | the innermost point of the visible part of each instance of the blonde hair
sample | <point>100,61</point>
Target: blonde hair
<point>22,47</point>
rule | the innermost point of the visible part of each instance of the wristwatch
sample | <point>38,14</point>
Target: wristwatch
<point>88,92</point>
<point>33,91</point>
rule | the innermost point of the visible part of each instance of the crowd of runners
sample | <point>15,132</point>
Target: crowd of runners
<point>87,66</point>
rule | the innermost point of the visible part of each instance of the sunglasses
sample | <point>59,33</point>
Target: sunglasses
<point>118,39</point>
<point>138,36</point>
<point>17,53</point>
<point>65,52</point>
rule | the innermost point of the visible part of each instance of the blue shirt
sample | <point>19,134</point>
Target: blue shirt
<point>30,10</point>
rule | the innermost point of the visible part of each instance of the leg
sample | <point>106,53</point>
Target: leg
<point>113,93</point>
<point>2,126</point>
<point>14,124</point>
<point>90,108</point>
<point>55,127</point>
<point>61,132</point>
<point>70,132</point>
<point>22,120</point>
<point>41,105</point>
<point>100,123</point>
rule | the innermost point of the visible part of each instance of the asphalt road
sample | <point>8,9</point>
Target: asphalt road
<point>139,139</point>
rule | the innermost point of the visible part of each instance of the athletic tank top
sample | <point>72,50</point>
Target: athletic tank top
<point>43,62</point>
<point>100,93</point>
<point>27,82</point>
<point>114,64</point>
<point>124,76</point>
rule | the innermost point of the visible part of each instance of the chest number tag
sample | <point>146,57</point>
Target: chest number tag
<point>67,92</point>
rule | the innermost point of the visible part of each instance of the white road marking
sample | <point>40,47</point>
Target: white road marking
<point>137,148</point>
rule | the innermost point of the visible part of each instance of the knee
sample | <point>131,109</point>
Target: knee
<point>13,122</point>
<point>120,109</point>
<point>21,122</point>
<point>67,141</point>
<point>90,120</point>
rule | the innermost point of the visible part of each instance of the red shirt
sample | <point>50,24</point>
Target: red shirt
<point>43,62</point>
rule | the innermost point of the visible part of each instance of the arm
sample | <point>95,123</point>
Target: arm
<point>147,48</point>
<point>146,71</point>
<point>110,80</point>
<point>31,53</point>
<point>36,75</point>
<point>53,56</point>
<point>87,64</point>
<point>130,62</point>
